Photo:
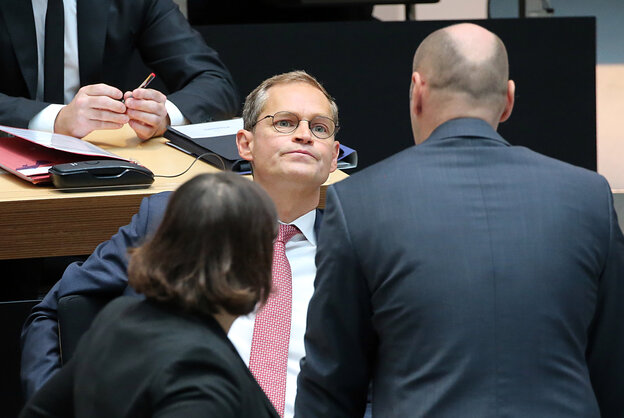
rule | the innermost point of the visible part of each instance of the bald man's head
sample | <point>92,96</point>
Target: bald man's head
<point>466,62</point>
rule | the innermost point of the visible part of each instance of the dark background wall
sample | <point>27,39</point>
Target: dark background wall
<point>366,66</point>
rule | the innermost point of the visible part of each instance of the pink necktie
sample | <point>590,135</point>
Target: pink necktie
<point>269,347</point>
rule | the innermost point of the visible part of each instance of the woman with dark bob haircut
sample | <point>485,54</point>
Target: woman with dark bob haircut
<point>168,355</point>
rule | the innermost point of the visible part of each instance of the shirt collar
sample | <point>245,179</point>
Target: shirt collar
<point>465,127</point>
<point>305,223</point>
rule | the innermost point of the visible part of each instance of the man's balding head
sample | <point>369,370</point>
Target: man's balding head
<point>466,72</point>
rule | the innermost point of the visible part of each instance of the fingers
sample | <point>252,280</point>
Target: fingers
<point>147,112</point>
<point>101,90</point>
<point>99,103</point>
<point>147,94</point>
<point>146,131</point>
<point>154,126</point>
<point>94,107</point>
<point>81,122</point>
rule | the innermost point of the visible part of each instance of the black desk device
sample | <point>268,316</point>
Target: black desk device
<point>101,173</point>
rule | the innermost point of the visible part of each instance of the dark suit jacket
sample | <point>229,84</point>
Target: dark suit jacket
<point>109,33</point>
<point>468,278</point>
<point>144,359</point>
<point>104,272</point>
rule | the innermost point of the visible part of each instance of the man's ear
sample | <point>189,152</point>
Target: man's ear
<point>334,163</point>
<point>416,94</point>
<point>509,101</point>
<point>244,143</point>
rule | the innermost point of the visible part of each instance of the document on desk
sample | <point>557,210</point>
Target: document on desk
<point>220,139</point>
<point>211,129</point>
<point>29,154</point>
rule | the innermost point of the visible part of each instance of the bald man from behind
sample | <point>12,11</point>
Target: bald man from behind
<point>464,276</point>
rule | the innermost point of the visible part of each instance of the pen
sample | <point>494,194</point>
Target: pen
<point>147,81</point>
<point>144,84</point>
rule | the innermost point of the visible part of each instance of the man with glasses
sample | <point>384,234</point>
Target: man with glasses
<point>290,123</point>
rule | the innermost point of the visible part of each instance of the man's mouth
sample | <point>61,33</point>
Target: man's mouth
<point>304,152</point>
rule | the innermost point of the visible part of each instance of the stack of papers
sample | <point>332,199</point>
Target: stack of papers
<point>29,154</point>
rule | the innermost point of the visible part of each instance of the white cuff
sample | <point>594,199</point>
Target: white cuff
<point>175,116</point>
<point>44,120</point>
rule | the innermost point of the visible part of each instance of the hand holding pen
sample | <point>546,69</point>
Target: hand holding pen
<point>100,106</point>
<point>146,110</point>
<point>143,85</point>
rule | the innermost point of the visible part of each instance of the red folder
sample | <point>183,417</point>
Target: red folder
<point>29,154</point>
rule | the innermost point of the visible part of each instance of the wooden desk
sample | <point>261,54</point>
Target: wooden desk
<point>40,221</point>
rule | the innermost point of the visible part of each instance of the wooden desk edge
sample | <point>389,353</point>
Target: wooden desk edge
<point>74,224</point>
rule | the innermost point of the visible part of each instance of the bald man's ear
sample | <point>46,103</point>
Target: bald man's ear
<point>244,143</point>
<point>509,100</point>
<point>416,94</point>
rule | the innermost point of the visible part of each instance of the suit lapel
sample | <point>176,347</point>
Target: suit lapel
<point>317,222</point>
<point>92,19</point>
<point>252,380</point>
<point>23,38</point>
<point>265,399</point>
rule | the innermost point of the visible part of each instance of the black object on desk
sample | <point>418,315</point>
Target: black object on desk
<point>219,151</point>
<point>100,173</point>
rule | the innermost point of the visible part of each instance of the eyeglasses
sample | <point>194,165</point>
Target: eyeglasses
<point>287,122</point>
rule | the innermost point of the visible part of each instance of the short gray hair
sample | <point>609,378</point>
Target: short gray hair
<point>255,101</point>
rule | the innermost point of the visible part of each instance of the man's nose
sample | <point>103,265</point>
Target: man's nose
<point>303,133</point>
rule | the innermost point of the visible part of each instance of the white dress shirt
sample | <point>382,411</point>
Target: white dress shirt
<point>300,252</point>
<point>44,120</point>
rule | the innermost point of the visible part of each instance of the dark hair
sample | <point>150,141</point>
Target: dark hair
<point>213,249</point>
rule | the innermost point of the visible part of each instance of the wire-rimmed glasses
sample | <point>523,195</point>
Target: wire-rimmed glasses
<point>286,122</point>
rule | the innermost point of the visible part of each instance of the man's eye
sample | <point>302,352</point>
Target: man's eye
<point>320,128</point>
<point>285,123</point>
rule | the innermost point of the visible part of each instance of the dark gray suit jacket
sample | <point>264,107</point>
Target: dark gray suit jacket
<point>467,278</point>
<point>109,33</point>
<point>146,359</point>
